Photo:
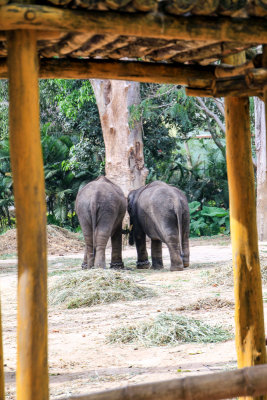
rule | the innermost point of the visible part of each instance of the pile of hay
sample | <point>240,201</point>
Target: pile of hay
<point>60,241</point>
<point>95,286</point>
<point>208,303</point>
<point>223,274</point>
<point>169,329</point>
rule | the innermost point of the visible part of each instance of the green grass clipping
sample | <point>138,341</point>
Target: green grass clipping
<point>96,286</point>
<point>169,329</point>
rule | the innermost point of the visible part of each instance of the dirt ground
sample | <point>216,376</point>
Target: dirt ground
<point>80,359</point>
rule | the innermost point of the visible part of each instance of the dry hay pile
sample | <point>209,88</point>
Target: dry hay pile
<point>95,286</point>
<point>208,303</point>
<point>169,329</point>
<point>60,241</point>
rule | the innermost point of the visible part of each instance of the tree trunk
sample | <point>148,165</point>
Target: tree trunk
<point>260,140</point>
<point>123,139</point>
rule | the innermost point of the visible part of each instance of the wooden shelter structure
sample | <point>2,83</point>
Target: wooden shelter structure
<point>164,41</point>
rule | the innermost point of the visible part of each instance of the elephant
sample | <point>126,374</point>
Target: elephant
<point>161,212</point>
<point>100,207</point>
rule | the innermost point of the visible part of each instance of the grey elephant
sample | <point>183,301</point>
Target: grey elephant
<point>161,212</point>
<point>100,207</point>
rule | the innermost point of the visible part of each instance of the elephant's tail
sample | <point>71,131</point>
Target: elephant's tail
<point>131,234</point>
<point>179,217</point>
<point>94,212</point>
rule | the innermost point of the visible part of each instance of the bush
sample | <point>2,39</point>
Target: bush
<point>207,221</point>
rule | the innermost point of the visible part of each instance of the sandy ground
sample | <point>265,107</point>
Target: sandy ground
<point>81,360</point>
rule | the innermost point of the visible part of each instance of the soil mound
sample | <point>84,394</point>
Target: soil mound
<point>60,241</point>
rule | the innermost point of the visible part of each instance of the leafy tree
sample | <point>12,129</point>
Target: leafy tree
<point>73,146</point>
<point>174,152</point>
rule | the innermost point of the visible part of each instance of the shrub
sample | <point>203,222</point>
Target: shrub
<point>208,220</point>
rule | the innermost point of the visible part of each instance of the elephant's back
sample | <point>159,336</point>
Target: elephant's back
<point>103,192</point>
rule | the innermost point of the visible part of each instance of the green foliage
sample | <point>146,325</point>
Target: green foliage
<point>72,143</point>
<point>3,109</point>
<point>207,221</point>
<point>173,150</point>
<point>74,154</point>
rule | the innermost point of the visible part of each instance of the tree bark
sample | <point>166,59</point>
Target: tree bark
<point>123,139</point>
<point>260,141</point>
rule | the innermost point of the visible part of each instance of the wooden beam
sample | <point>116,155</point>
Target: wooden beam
<point>28,180</point>
<point>122,70</point>
<point>227,71</point>
<point>2,377</point>
<point>127,70</point>
<point>23,16</point>
<point>250,336</point>
<point>195,92</point>
<point>200,80</point>
<point>248,381</point>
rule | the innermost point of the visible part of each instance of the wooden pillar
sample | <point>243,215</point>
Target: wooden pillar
<point>28,178</point>
<point>264,64</point>
<point>2,379</point>
<point>250,338</point>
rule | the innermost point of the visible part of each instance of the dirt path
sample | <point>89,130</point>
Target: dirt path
<point>81,360</point>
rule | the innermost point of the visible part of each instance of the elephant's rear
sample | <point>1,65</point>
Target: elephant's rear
<point>161,210</point>
<point>100,207</point>
<point>100,202</point>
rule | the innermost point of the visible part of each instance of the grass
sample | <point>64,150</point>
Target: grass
<point>91,287</point>
<point>169,329</point>
<point>7,256</point>
<point>263,269</point>
<point>208,303</point>
<point>221,275</point>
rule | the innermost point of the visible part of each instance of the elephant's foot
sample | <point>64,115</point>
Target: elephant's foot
<point>117,265</point>
<point>85,266</point>
<point>157,263</point>
<point>176,268</point>
<point>186,261</point>
<point>143,264</point>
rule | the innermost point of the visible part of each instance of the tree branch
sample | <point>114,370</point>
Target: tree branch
<point>216,139</point>
<point>211,114</point>
<point>219,104</point>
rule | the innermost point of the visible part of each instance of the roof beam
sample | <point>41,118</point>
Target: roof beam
<point>199,80</point>
<point>154,25</point>
<point>188,75</point>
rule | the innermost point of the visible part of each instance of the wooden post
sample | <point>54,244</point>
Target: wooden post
<point>264,64</point>
<point>250,338</point>
<point>2,378</point>
<point>28,178</point>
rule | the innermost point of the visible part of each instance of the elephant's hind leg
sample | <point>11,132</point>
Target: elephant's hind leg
<point>175,255</point>
<point>88,261</point>
<point>142,256</point>
<point>156,254</point>
<point>101,241</point>
<point>116,243</point>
